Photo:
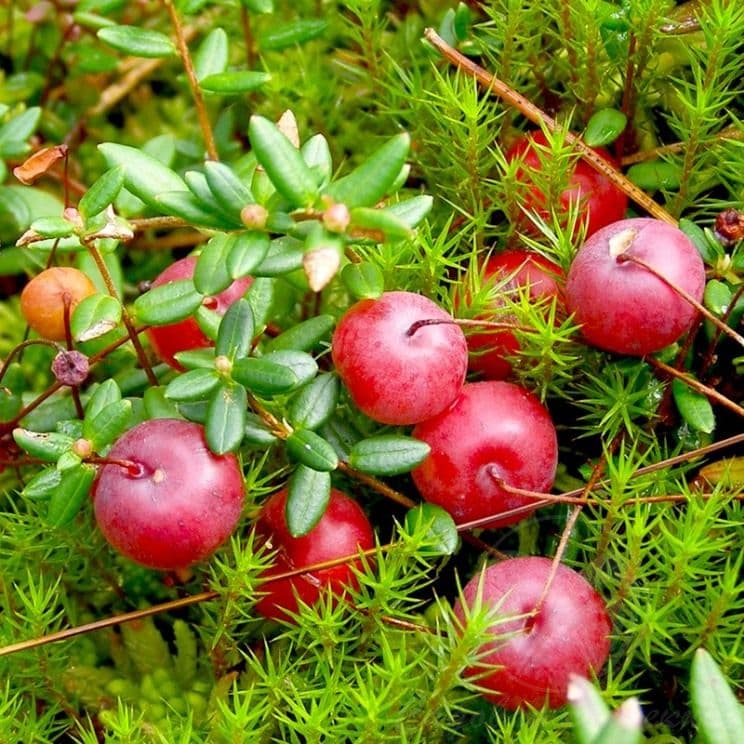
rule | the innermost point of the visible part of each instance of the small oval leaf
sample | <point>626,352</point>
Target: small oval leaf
<point>264,377</point>
<point>315,403</point>
<point>107,424</point>
<point>310,449</point>
<point>48,446</point>
<point>137,42</point>
<point>363,280</point>
<point>388,454</point>
<point>168,303</point>
<point>196,384</point>
<point>442,537</point>
<point>247,250</point>
<point>236,331</point>
<point>70,495</point>
<point>94,316</point>
<point>234,83</point>
<point>304,336</point>
<point>211,275</point>
<point>307,498</point>
<point>604,127</point>
<point>102,193</point>
<point>694,407</point>
<point>226,418</point>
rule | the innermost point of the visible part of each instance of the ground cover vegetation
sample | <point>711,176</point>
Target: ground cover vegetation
<point>371,371</point>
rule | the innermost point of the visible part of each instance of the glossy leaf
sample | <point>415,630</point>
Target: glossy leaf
<point>388,454</point>
<point>303,336</point>
<point>624,726</point>
<point>307,498</point>
<point>226,418</point>
<point>108,424</point>
<point>247,250</point>
<point>655,174</point>
<point>303,366</point>
<point>369,182</point>
<point>289,34</point>
<point>282,162</point>
<point>52,227</point>
<point>213,54</point>
<point>168,303</point>
<point>43,484</point>
<point>310,449</point>
<point>317,154</point>
<point>196,384</point>
<point>315,403</point>
<point>264,377</point>
<point>20,127</point>
<point>211,275</point>
<point>144,175</point>
<point>441,535</point>
<point>588,710</point>
<point>102,193</point>
<point>157,406</point>
<point>188,207</point>
<point>45,445</point>
<point>228,190</point>
<point>196,358</point>
<point>363,280</point>
<point>604,127</point>
<point>105,394</point>
<point>718,714</point>
<point>411,211</point>
<point>694,407</point>
<point>285,254</point>
<point>70,495</point>
<point>208,321</point>
<point>94,316</point>
<point>137,42</point>
<point>387,225</point>
<point>236,331</point>
<point>234,83</point>
<point>261,299</point>
<point>256,432</point>
<point>717,296</point>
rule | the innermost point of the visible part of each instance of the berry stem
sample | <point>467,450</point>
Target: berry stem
<point>20,347</point>
<point>539,117</point>
<point>625,257</point>
<point>465,322</point>
<point>188,65</point>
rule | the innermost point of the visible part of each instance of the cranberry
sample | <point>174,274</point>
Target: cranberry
<point>495,433</point>
<point>530,658</point>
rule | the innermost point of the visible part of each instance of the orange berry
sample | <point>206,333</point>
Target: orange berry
<point>43,299</point>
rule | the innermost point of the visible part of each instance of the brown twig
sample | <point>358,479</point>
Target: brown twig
<point>539,117</point>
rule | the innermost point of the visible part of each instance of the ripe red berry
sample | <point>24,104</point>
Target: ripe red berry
<point>494,432</point>
<point>342,530</point>
<point>510,270</point>
<point>176,503</point>
<point>623,307</point>
<point>43,299</point>
<point>602,202</point>
<point>399,369</point>
<point>532,656</point>
<point>168,340</point>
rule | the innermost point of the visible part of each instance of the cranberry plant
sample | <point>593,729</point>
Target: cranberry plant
<point>371,371</point>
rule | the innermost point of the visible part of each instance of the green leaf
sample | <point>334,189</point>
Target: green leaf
<point>370,181</point>
<point>43,484</point>
<point>694,407</point>
<point>188,207</point>
<point>718,714</point>
<point>70,495</point>
<point>282,162</point>
<point>363,280</point>
<point>655,174</point>
<point>20,127</point>
<point>441,535</point>
<point>196,358</point>
<point>310,449</point>
<point>213,54</point>
<point>46,445</point>
<point>264,377</point>
<point>196,384</point>
<point>234,83</point>
<point>52,227</point>
<point>236,332</point>
<point>168,303</point>
<point>247,250</point>
<point>105,394</point>
<point>208,321</point>
<point>210,273</point>
<point>261,298</point>
<point>315,403</point>
<point>411,211</point>
<point>717,297</point>
<point>379,220</point>
<point>284,256</point>
<point>304,336</point>
<point>624,726</point>
<point>137,42</point>
<point>156,405</point>
<point>102,193</point>
<point>388,454</point>
<point>226,418</point>
<point>145,176</point>
<point>95,316</point>
<point>302,365</point>
<point>228,190</point>
<point>588,710</point>
<point>605,126</point>
<point>297,32</point>
<point>259,6</point>
<point>108,424</point>
<point>317,154</point>
<point>256,431</point>
<point>307,498</point>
